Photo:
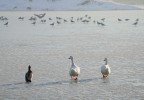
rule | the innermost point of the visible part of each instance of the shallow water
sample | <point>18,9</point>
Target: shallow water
<point>133,2</point>
<point>47,48</point>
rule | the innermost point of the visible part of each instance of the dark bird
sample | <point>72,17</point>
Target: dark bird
<point>103,19</point>
<point>72,21</point>
<point>81,18</point>
<point>33,23</point>
<point>40,15</point>
<point>5,18</point>
<point>135,23</point>
<point>126,19</point>
<point>43,21</point>
<point>50,18</point>
<point>58,22</point>
<point>85,21</point>
<point>89,17</point>
<point>86,15</point>
<point>28,75</point>
<point>137,19</point>
<point>119,19</point>
<point>59,18</point>
<point>52,24</point>
<point>6,23</point>
<point>32,18</point>
<point>21,18</point>
<point>65,20</point>
<point>98,23</point>
<point>102,24</point>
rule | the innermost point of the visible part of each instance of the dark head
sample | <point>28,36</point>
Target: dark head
<point>29,67</point>
<point>105,59</point>
<point>71,57</point>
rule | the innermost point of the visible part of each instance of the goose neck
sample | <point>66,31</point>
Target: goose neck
<point>72,61</point>
<point>106,62</point>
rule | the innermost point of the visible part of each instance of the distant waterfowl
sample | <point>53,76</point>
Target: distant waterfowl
<point>86,15</point>
<point>33,23</point>
<point>85,21</point>
<point>21,18</point>
<point>65,20</point>
<point>102,24</point>
<point>72,18</point>
<point>89,17</point>
<point>105,69</point>
<point>58,22</point>
<point>28,75</point>
<point>59,18</point>
<point>50,18</point>
<point>40,15</point>
<point>3,18</point>
<point>103,19</point>
<point>74,70</point>
<point>81,18</point>
<point>43,21</point>
<point>119,19</point>
<point>52,24</point>
<point>135,23</point>
<point>32,18</point>
<point>98,23</point>
<point>72,21</point>
<point>6,23</point>
<point>127,19</point>
<point>137,19</point>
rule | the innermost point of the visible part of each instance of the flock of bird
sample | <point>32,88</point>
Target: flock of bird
<point>74,71</point>
<point>59,20</point>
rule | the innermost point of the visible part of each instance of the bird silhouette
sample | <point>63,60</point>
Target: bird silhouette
<point>6,23</point>
<point>135,23</point>
<point>28,75</point>
<point>40,15</point>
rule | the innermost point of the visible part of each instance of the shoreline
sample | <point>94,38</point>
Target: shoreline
<point>94,5</point>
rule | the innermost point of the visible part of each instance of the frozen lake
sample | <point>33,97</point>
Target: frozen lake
<point>47,47</point>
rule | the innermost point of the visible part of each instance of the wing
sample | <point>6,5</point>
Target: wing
<point>73,72</point>
<point>105,69</point>
<point>78,70</point>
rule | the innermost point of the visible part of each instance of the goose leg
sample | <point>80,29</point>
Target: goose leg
<point>76,78</point>
<point>104,76</point>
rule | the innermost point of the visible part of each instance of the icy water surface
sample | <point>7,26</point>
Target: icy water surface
<point>47,48</point>
<point>133,2</point>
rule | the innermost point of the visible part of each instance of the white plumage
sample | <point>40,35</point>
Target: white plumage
<point>74,70</point>
<point>105,69</point>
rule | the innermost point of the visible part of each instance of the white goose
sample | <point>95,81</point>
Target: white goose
<point>105,69</point>
<point>74,70</point>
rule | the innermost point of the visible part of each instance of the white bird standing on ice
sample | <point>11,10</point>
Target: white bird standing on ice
<point>74,70</point>
<point>105,69</point>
